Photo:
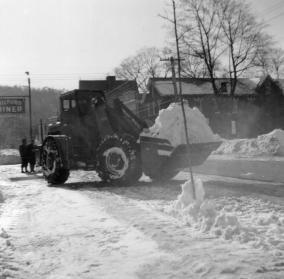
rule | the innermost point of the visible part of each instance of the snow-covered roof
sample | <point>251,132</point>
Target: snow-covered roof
<point>164,87</point>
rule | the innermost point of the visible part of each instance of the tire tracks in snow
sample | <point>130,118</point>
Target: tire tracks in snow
<point>60,233</point>
<point>185,253</point>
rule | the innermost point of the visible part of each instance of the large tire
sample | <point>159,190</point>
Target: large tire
<point>118,160</point>
<point>52,162</point>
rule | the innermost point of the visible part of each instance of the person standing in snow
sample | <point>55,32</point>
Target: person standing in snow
<point>31,153</point>
<point>24,155</point>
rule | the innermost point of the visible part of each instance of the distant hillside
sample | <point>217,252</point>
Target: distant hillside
<point>14,127</point>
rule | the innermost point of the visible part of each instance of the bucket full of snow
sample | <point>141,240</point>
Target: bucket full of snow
<point>164,150</point>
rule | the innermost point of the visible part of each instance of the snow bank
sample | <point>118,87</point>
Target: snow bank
<point>268,144</point>
<point>231,219</point>
<point>9,157</point>
<point>169,125</point>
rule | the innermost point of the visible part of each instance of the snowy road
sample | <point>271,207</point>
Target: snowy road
<point>89,230</point>
<point>269,168</point>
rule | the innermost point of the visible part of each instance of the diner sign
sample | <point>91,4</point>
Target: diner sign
<point>12,105</point>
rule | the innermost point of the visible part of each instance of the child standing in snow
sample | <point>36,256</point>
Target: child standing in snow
<point>31,156</point>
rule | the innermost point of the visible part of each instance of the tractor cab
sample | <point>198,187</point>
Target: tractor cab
<point>81,116</point>
<point>74,107</point>
<point>79,103</point>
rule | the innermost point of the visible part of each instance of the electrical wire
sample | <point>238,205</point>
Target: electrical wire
<point>273,8</point>
<point>274,17</point>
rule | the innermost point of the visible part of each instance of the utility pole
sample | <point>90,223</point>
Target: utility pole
<point>172,60</point>
<point>41,131</point>
<point>30,105</point>
<point>181,99</point>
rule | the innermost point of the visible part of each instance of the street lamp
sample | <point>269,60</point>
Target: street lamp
<point>30,105</point>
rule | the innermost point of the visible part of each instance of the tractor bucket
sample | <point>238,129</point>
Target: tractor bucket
<point>159,156</point>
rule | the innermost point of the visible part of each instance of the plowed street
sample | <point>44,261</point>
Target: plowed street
<point>85,229</point>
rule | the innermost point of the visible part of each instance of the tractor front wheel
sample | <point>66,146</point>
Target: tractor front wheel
<point>52,162</point>
<point>118,160</point>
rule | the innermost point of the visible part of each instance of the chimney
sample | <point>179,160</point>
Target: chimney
<point>110,82</point>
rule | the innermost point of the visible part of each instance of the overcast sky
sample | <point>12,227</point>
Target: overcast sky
<point>61,41</point>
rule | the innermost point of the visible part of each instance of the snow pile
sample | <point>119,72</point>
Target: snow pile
<point>187,197</point>
<point>201,214</point>
<point>232,220</point>
<point>169,125</point>
<point>9,157</point>
<point>268,144</point>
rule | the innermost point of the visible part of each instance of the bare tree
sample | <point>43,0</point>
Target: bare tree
<point>202,34</point>
<point>213,30</point>
<point>192,66</point>
<point>144,65</point>
<point>263,62</point>
<point>242,35</point>
<point>270,58</point>
<point>277,61</point>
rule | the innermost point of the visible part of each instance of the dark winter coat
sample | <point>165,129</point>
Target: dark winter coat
<point>31,153</point>
<point>23,149</point>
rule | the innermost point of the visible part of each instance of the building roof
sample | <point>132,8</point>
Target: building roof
<point>201,86</point>
<point>109,84</point>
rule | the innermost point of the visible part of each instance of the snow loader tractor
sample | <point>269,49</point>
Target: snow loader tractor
<point>102,135</point>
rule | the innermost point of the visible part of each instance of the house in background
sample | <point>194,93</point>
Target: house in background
<point>270,98</point>
<point>247,114</point>
<point>125,90</point>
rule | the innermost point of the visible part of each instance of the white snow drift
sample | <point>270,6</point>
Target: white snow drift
<point>260,225</point>
<point>264,145</point>
<point>169,125</point>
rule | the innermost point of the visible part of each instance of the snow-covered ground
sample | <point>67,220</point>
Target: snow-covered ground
<point>260,158</point>
<point>85,229</point>
<point>9,157</point>
<point>257,168</point>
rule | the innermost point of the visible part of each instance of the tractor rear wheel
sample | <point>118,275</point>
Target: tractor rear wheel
<point>118,160</point>
<point>52,162</point>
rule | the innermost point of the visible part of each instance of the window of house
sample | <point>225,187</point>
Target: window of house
<point>66,105</point>
<point>73,103</point>
<point>224,87</point>
<point>251,98</point>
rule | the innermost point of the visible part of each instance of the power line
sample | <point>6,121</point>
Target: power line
<point>54,74</point>
<point>275,17</point>
<point>51,77</point>
<point>273,8</point>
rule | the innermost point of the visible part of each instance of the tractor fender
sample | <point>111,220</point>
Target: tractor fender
<point>63,145</point>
